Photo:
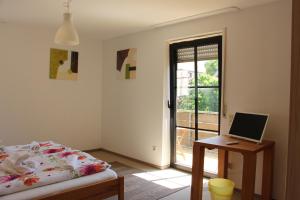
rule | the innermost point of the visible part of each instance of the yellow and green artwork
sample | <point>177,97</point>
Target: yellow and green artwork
<point>63,64</point>
<point>126,64</point>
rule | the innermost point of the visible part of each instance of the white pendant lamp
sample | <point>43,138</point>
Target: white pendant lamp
<point>67,34</point>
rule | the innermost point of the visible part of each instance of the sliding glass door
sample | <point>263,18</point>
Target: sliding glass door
<point>196,69</point>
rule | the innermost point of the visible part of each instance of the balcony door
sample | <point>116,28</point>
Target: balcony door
<point>195,104</point>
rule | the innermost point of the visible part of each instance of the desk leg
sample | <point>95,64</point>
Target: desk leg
<point>267,180</point>
<point>222,163</point>
<point>197,172</point>
<point>248,181</point>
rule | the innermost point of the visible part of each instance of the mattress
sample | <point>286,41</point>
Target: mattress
<point>39,192</point>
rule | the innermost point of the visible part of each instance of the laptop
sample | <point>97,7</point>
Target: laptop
<point>249,126</point>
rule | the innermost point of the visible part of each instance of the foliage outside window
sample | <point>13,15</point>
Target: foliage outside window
<point>208,98</point>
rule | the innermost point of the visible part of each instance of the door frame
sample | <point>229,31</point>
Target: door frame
<point>173,85</point>
<point>293,173</point>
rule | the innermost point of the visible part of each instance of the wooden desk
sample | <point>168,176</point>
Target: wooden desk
<point>248,150</point>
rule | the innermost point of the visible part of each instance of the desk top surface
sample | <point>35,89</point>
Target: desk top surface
<point>220,142</point>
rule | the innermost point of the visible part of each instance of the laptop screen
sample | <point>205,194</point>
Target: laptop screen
<point>248,126</point>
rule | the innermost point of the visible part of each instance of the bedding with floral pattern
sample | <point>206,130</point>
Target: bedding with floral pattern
<point>50,163</point>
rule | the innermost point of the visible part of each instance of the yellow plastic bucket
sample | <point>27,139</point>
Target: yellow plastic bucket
<point>220,189</point>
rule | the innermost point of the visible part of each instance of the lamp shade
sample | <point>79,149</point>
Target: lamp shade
<point>67,34</point>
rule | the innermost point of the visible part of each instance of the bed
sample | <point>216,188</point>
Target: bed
<point>71,184</point>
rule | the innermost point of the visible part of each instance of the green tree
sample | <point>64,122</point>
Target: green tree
<point>208,98</point>
<point>211,67</point>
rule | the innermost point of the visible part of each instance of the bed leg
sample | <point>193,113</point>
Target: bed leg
<point>121,188</point>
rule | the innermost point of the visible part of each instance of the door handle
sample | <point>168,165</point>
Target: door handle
<point>169,105</point>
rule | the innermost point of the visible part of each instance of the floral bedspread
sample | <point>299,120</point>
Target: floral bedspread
<point>53,163</point>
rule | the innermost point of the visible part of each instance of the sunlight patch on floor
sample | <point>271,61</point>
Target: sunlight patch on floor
<point>168,178</point>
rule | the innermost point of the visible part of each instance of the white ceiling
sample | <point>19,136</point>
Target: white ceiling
<point>111,18</point>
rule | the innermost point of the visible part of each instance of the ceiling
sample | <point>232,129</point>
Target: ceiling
<point>111,18</point>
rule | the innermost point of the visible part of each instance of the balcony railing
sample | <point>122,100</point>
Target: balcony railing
<point>185,137</point>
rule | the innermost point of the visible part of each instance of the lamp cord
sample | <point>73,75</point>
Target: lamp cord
<point>67,5</point>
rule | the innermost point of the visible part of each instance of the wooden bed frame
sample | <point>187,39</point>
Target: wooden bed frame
<point>95,191</point>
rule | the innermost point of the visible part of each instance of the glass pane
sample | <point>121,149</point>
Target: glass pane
<point>186,55</point>
<point>186,68</point>
<point>211,156</point>
<point>206,134</point>
<point>207,62</point>
<point>184,146</point>
<point>184,149</point>
<point>208,73</point>
<point>211,161</point>
<point>208,108</point>
<point>185,100</point>
<point>207,52</point>
<point>185,107</point>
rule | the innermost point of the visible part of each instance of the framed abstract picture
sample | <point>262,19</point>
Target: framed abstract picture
<point>63,64</point>
<point>126,64</point>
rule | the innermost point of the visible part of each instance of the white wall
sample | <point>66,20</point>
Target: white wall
<point>33,107</point>
<point>135,116</point>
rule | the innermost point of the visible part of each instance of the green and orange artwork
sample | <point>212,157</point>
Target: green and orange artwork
<point>63,64</point>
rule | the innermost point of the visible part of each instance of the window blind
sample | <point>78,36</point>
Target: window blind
<point>207,52</point>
